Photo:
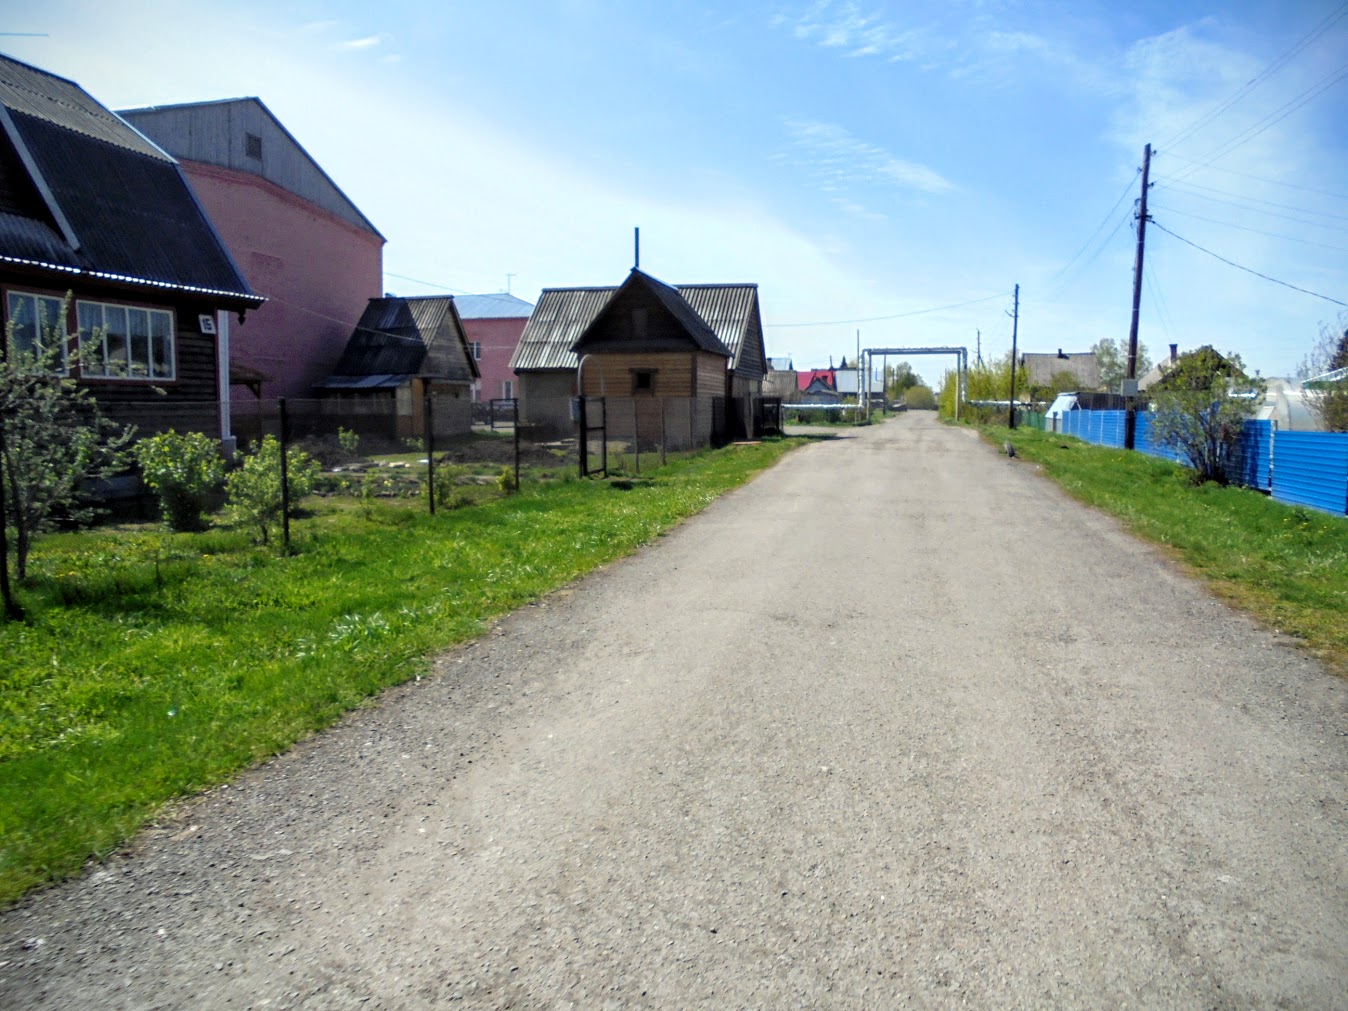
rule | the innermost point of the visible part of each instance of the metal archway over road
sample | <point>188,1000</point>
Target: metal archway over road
<point>961,368</point>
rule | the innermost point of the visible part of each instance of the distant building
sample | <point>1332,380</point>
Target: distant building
<point>297,237</point>
<point>90,207</point>
<point>494,324</point>
<point>401,348</point>
<point>1040,369</point>
<point>648,341</point>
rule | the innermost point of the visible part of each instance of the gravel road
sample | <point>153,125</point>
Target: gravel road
<point>896,725</point>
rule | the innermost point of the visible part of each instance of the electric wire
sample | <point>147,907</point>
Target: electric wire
<point>1100,227</point>
<point>899,315</point>
<point>1272,119</point>
<point>1248,270</point>
<point>1287,56</point>
<point>1256,231</point>
<point>1245,175</point>
<point>1244,202</point>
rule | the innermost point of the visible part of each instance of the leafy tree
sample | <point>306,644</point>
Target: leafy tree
<point>56,441</point>
<point>1112,358</point>
<point>255,488</point>
<point>919,398</point>
<point>899,379</point>
<point>183,471</point>
<point>1201,405</point>
<point>988,380</point>
<point>1064,381</point>
<point>1329,401</point>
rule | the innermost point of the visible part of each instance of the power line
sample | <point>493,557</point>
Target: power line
<point>1127,188</point>
<point>1248,175</point>
<point>1248,270</point>
<point>1275,117</point>
<point>1263,75</point>
<point>900,315</point>
<point>1256,231</point>
<point>1244,202</point>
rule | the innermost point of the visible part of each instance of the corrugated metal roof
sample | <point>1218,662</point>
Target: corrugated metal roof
<point>1041,368</point>
<point>563,314</point>
<point>378,382</point>
<point>498,306</point>
<point>63,103</point>
<point>215,133</point>
<point>121,207</point>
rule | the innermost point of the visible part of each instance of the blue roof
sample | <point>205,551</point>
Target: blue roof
<point>498,306</point>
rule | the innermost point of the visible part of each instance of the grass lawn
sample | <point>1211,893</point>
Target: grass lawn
<point>155,665</point>
<point>1286,565</point>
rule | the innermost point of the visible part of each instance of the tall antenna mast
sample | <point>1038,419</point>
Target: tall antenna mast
<point>636,248</point>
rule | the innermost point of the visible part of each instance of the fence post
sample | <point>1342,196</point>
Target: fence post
<point>603,436</point>
<point>428,422</point>
<point>285,473</point>
<point>636,435</point>
<point>515,407</point>
<point>662,431</point>
<point>584,436</point>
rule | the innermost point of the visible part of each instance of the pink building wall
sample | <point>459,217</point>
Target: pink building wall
<point>499,338</point>
<point>302,258</point>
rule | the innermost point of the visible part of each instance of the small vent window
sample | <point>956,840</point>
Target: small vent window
<point>252,146</point>
<point>643,381</point>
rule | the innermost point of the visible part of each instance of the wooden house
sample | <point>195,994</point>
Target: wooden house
<point>298,239</point>
<point>647,342</point>
<point>92,210</point>
<point>400,349</point>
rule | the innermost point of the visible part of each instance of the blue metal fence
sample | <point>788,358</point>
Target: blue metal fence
<point>1305,468</point>
<point>1311,468</point>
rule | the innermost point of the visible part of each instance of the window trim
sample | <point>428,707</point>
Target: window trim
<point>65,324</point>
<point>148,336</point>
<point>475,348</point>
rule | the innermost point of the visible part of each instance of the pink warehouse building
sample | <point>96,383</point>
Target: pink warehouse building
<point>295,235</point>
<point>493,324</point>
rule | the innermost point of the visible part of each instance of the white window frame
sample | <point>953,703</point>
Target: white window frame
<point>507,389</point>
<point>92,354</point>
<point>476,348</point>
<point>46,301</point>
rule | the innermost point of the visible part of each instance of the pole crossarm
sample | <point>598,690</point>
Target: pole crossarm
<point>962,352</point>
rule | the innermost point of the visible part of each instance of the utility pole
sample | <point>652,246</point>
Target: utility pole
<point>1015,327</point>
<point>978,346</point>
<point>636,248</point>
<point>1130,387</point>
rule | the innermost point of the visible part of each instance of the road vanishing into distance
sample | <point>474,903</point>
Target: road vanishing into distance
<point>896,725</point>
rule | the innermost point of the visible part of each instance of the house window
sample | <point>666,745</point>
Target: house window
<point>507,389</point>
<point>252,146</point>
<point>643,381</point>
<point>125,342</point>
<point>39,327</point>
<point>476,348</point>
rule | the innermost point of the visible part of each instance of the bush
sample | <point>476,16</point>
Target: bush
<point>184,472</point>
<point>255,488</point>
<point>348,440</point>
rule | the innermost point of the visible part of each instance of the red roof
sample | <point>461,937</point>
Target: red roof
<point>804,379</point>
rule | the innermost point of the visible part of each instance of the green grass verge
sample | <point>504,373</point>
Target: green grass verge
<point>156,665</point>
<point>1286,565</point>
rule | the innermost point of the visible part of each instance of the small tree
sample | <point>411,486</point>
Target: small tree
<point>1112,358</point>
<point>919,398</point>
<point>1329,400</point>
<point>1202,404</point>
<point>183,471</point>
<point>255,488</point>
<point>56,440</point>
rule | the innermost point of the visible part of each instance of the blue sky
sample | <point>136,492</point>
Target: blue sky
<point>856,160</point>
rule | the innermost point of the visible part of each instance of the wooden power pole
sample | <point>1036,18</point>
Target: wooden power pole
<point>1130,387</point>
<point>1015,328</point>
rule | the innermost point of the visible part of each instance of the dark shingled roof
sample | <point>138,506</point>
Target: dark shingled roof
<point>83,193</point>
<point>395,338</point>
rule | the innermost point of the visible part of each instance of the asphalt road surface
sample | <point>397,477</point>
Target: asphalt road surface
<point>896,725</point>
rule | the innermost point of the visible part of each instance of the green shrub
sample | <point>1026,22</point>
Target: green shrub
<point>184,471</point>
<point>348,440</point>
<point>255,488</point>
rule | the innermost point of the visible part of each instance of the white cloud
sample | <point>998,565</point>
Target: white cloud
<point>368,42</point>
<point>840,161</point>
<point>843,26</point>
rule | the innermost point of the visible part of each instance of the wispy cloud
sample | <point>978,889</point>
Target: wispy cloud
<point>840,161</point>
<point>368,42</point>
<point>844,27</point>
